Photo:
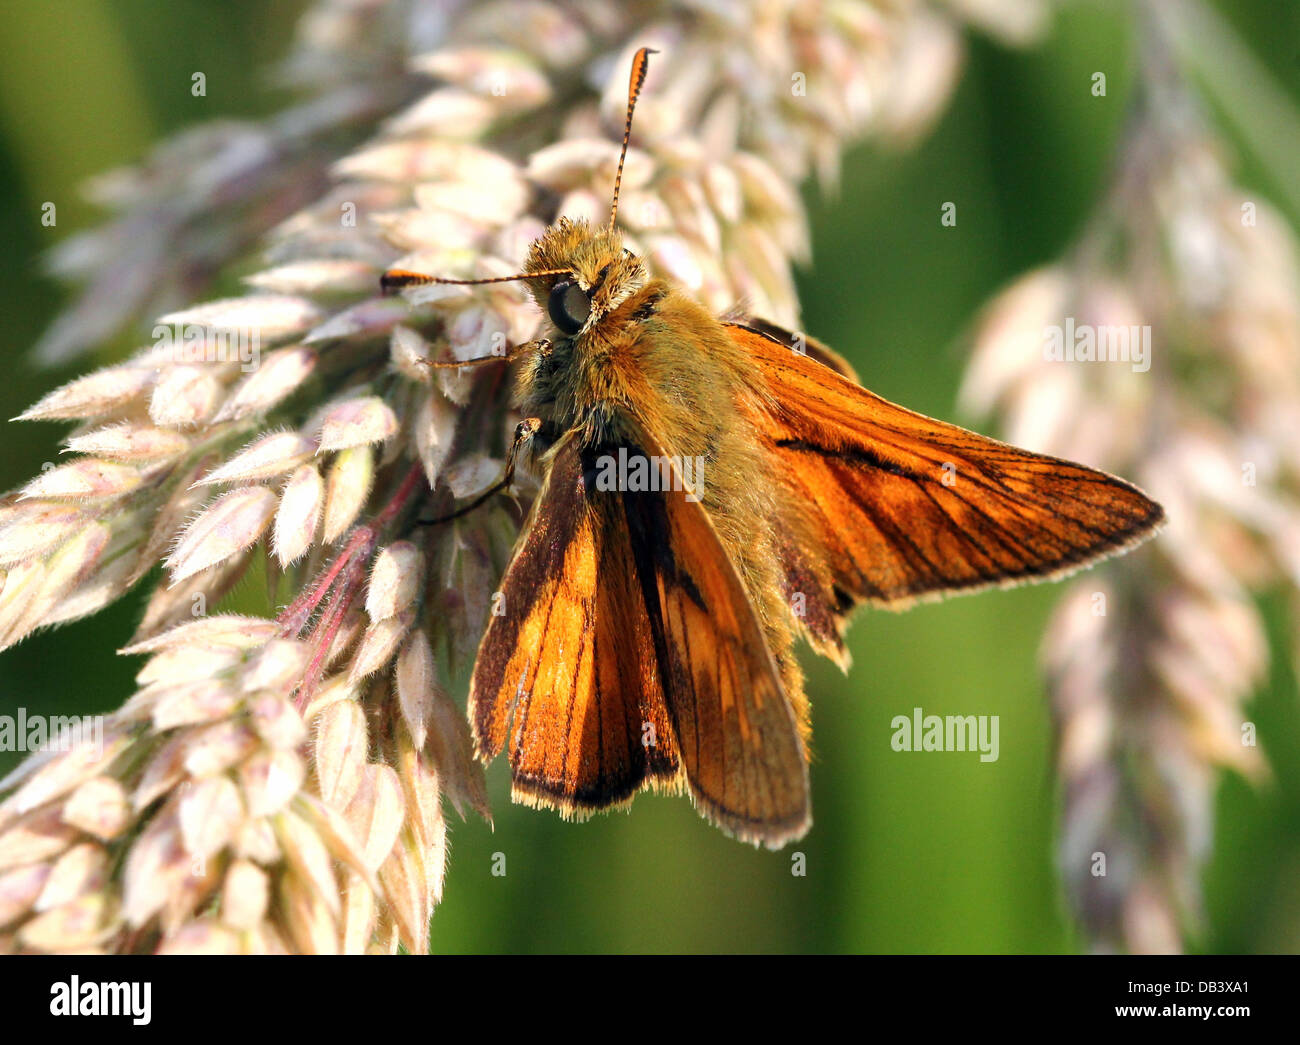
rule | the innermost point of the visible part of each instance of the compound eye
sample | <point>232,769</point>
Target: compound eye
<point>569,307</point>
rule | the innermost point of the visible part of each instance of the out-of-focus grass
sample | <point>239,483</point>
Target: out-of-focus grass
<point>910,852</point>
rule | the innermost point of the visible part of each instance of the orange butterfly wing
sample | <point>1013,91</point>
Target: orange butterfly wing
<point>571,658</point>
<point>903,506</point>
<point>736,731</point>
<point>621,609</point>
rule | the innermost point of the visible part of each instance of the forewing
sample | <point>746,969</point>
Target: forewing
<point>905,506</point>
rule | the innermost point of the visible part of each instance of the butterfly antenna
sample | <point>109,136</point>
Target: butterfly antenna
<point>639,65</point>
<point>399,279</point>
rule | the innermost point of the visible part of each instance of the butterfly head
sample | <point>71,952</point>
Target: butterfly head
<point>576,272</point>
<point>579,274</point>
<point>596,273</point>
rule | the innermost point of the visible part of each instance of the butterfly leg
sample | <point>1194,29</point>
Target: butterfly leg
<point>540,345</point>
<point>524,431</point>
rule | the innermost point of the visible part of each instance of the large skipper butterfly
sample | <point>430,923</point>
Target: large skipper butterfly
<point>712,491</point>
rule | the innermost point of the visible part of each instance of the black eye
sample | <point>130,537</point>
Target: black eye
<point>569,307</point>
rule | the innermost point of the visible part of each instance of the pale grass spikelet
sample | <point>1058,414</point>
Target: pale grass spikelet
<point>357,422</point>
<point>347,487</point>
<point>267,457</point>
<point>298,516</point>
<point>231,524</point>
<point>1151,666</point>
<point>274,317</point>
<point>282,372</point>
<point>85,479</point>
<point>184,397</point>
<point>395,580</point>
<point>277,783</point>
<point>127,441</point>
<point>94,395</point>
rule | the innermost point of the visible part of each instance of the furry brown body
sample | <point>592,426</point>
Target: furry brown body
<point>652,355</point>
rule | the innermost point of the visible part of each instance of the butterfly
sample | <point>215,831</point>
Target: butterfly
<point>713,491</point>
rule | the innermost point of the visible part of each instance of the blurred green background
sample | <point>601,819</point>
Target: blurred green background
<point>939,853</point>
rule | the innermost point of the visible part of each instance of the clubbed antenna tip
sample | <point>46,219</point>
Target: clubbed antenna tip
<point>639,65</point>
